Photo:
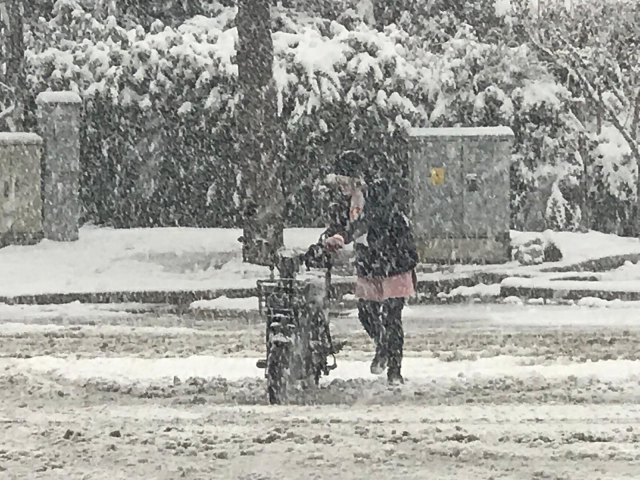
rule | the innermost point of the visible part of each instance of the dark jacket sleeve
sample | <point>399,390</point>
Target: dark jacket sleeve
<point>340,223</point>
<point>337,219</point>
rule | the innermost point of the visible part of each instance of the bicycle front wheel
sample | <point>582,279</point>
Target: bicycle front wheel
<point>279,369</point>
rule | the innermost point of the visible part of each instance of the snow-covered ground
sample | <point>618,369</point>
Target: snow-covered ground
<point>493,391</point>
<point>68,311</point>
<point>163,259</point>
<point>628,271</point>
<point>177,259</point>
<point>580,247</point>
<point>577,248</point>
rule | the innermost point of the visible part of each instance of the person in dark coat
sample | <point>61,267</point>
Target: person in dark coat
<point>372,218</point>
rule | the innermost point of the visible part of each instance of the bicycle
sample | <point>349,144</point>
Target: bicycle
<point>298,336</point>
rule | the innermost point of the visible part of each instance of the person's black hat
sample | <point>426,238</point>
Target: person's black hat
<point>349,164</point>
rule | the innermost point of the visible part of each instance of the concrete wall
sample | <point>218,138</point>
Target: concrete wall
<point>20,180</point>
<point>465,216</point>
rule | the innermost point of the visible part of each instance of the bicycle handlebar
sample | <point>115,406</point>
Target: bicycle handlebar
<point>315,257</point>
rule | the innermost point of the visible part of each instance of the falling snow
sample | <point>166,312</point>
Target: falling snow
<point>158,158</point>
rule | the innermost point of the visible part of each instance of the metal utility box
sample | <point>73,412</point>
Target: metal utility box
<point>460,193</point>
<point>20,199</point>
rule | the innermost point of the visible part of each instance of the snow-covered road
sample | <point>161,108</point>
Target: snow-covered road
<point>493,392</point>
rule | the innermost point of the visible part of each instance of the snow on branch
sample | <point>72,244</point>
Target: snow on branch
<point>594,92</point>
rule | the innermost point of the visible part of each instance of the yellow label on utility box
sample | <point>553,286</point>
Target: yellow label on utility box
<point>437,176</point>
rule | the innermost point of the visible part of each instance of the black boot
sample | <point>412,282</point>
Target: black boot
<point>369,314</point>
<point>394,377</point>
<point>394,339</point>
<point>379,363</point>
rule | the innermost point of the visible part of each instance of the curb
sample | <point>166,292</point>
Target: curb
<point>563,294</point>
<point>431,288</point>
<point>183,298</point>
<point>598,265</point>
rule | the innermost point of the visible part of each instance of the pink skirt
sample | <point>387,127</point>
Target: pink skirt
<point>381,289</point>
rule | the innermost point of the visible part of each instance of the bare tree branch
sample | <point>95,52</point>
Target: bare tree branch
<point>622,98</point>
<point>635,121</point>
<point>593,93</point>
<point>613,117</point>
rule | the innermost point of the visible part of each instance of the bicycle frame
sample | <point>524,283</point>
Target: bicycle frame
<point>298,337</point>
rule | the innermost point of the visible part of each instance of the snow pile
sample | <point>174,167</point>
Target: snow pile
<point>536,250</point>
<point>480,290</point>
<point>535,301</point>
<point>530,253</point>
<point>628,271</point>
<point>513,301</point>
<point>225,303</point>
<point>580,247</point>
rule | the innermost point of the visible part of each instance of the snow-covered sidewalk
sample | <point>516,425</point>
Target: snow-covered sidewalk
<point>177,260</point>
<point>109,260</point>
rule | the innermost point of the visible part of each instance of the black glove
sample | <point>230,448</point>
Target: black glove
<point>317,257</point>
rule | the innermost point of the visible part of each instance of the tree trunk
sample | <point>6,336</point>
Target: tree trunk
<point>106,8</point>
<point>258,134</point>
<point>15,76</point>
<point>586,183</point>
<point>635,123</point>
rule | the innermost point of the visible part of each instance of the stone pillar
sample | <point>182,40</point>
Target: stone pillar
<point>59,122</point>
<point>20,199</point>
